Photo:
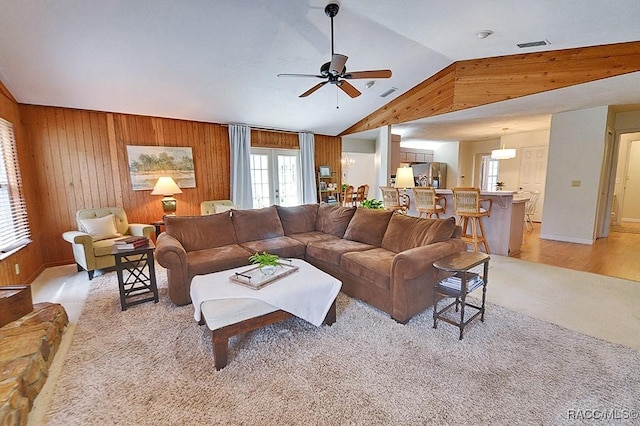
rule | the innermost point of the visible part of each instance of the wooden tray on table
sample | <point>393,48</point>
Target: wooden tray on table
<point>255,279</point>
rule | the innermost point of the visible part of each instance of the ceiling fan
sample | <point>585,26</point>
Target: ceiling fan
<point>335,72</point>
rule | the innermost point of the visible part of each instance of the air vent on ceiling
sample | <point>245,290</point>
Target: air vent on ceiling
<point>533,44</point>
<point>388,92</point>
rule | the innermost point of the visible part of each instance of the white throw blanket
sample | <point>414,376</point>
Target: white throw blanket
<point>307,293</point>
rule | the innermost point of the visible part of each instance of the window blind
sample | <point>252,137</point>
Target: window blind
<point>14,224</point>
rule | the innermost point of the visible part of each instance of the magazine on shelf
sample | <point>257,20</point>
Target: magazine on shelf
<point>455,283</point>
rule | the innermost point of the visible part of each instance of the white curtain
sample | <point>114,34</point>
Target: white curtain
<point>308,168</point>
<point>240,144</point>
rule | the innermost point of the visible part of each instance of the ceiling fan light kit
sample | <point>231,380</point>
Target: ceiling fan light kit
<point>335,71</point>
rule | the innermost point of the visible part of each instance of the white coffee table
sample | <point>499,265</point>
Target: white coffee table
<point>229,309</point>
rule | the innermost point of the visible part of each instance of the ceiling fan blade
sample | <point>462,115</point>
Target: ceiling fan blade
<point>368,74</point>
<point>348,89</point>
<point>337,63</point>
<point>313,89</point>
<point>300,75</point>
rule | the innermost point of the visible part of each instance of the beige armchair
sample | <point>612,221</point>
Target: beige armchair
<point>216,206</point>
<point>97,230</point>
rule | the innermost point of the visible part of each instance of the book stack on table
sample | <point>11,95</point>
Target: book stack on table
<point>130,243</point>
<point>455,283</point>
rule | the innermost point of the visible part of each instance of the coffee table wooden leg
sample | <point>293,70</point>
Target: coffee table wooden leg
<point>220,350</point>
<point>331,315</point>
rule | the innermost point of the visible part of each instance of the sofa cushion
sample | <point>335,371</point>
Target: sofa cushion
<point>333,219</point>
<point>309,237</point>
<point>201,232</point>
<point>298,219</point>
<point>368,226</point>
<point>217,259</point>
<point>407,232</point>
<point>372,265</point>
<point>257,224</point>
<point>330,251</point>
<point>282,246</point>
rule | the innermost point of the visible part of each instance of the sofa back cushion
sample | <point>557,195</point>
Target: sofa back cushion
<point>257,224</point>
<point>368,226</point>
<point>298,219</point>
<point>333,219</point>
<point>406,232</point>
<point>201,232</point>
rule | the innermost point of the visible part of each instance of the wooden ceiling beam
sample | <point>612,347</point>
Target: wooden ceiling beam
<point>476,82</point>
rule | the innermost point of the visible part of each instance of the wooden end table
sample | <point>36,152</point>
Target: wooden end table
<point>140,279</point>
<point>458,282</point>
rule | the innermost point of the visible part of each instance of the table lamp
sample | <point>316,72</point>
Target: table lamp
<point>167,186</point>
<point>404,180</point>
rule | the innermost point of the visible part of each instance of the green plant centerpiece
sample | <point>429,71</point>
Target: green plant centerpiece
<point>499,186</point>
<point>266,262</point>
<point>372,204</point>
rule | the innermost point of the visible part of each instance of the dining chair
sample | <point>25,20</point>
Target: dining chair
<point>347,199</point>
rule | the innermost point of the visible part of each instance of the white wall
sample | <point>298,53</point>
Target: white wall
<point>576,146</point>
<point>382,154</point>
<point>362,171</point>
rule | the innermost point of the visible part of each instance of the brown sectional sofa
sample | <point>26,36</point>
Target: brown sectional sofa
<point>381,258</point>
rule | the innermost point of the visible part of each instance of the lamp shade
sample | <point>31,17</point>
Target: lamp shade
<point>404,177</point>
<point>166,186</point>
<point>503,153</point>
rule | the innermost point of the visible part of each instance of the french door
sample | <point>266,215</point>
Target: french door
<point>275,177</point>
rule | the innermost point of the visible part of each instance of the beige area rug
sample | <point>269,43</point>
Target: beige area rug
<point>152,365</point>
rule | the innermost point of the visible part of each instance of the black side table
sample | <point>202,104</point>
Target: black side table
<point>139,284</point>
<point>459,282</point>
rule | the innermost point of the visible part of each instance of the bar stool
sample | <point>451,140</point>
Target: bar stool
<point>428,202</point>
<point>466,204</point>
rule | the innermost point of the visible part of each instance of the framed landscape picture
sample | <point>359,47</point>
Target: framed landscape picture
<point>148,163</point>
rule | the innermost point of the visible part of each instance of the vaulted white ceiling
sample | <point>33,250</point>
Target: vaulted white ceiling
<point>217,61</point>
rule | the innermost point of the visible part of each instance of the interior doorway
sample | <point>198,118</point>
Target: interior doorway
<point>626,200</point>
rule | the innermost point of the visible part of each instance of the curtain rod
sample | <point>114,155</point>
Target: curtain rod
<point>270,130</point>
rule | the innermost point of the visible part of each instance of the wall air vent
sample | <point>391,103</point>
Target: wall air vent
<point>388,92</point>
<point>533,44</point>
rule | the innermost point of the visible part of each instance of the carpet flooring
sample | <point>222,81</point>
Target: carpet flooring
<point>152,365</point>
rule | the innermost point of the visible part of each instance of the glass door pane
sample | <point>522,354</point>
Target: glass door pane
<point>275,177</point>
<point>288,179</point>
<point>260,181</point>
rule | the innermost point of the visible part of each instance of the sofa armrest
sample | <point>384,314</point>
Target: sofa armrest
<point>142,230</point>
<point>78,237</point>
<point>171,255</point>
<point>169,252</point>
<point>413,277</point>
<point>413,263</point>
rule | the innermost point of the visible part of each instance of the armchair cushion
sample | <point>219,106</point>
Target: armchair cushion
<point>100,228</point>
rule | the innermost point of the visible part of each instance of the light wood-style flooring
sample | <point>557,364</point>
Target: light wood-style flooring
<point>616,256</point>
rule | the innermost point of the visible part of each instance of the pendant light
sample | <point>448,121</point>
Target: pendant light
<point>503,153</point>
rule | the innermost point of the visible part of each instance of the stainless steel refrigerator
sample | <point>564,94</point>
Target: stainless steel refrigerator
<point>430,174</point>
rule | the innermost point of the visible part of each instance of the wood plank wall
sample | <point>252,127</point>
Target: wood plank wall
<point>471,83</point>
<point>81,162</point>
<point>29,258</point>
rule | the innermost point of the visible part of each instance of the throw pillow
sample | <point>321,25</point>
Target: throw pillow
<point>101,228</point>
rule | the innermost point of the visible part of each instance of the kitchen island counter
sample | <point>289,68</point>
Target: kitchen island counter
<point>505,225</point>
